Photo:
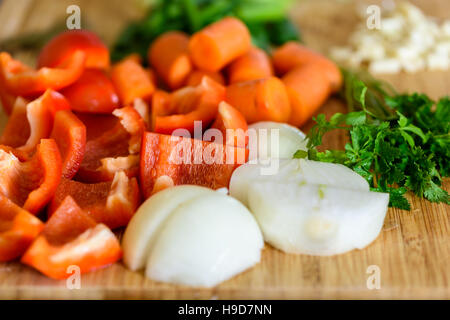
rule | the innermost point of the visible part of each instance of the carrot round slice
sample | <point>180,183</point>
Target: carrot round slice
<point>308,89</point>
<point>72,238</point>
<point>213,47</point>
<point>168,54</point>
<point>260,100</point>
<point>255,64</point>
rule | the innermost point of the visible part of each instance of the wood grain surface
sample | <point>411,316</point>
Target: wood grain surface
<point>412,250</point>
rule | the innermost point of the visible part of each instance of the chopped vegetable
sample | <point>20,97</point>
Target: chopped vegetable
<point>72,238</point>
<point>196,76</point>
<point>232,125</point>
<point>253,65</point>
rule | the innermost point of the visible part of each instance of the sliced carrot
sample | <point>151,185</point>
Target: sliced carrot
<point>169,55</point>
<point>293,54</point>
<point>195,78</point>
<point>260,100</point>
<point>308,89</point>
<point>213,47</point>
<point>131,80</point>
<point>255,64</point>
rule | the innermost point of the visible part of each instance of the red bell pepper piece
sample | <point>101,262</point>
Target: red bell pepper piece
<point>18,228</point>
<point>29,123</point>
<point>232,124</point>
<point>171,160</point>
<point>93,93</point>
<point>188,105</point>
<point>21,80</point>
<point>31,184</point>
<point>96,124</point>
<point>72,238</point>
<point>7,100</point>
<point>131,81</point>
<point>112,203</point>
<point>69,134</point>
<point>66,43</point>
<point>115,150</point>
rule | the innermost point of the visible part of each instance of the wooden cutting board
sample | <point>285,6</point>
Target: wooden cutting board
<point>412,251</point>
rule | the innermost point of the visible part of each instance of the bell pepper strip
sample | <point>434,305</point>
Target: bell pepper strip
<point>112,203</point>
<point>131,81</point>
<point>7,99</point>
<point>186,161</point>
<point>169,56</point>
<point>196,76</point>
<point>213,47</point>
<point>308,89</point>
<point>18,229</point>
<point>293,54</point>
<point>28,125</point>
<point>66,43</point>
<point>71,237</point>
<point>69,134</point>
<point>92,93</point>
<point>31,184</point>
<point>96,124</point>
<point>260,100</point>
<point>232,125</point>
<point>144,111</point>
<point>22,80</point>
<point>188,105</point>
<point>115,150</point>
<point>253,65</point>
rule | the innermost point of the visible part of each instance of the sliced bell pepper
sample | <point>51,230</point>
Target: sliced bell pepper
<point>18,229</point>
<point>7,99</point>
<point>72,238</point>
<point>22,80</point>
<point>115,150</point>
<point>31,122</point>
<point>112,203</point>
<point>31,184</point>
<point>96,124</point>
<point>232,124</point>
<point>186,161</point>
<point>69,134</point>
<point>188,105</point>
<point>66,43</point>
<point>92,93</point>
<point>131,81</point>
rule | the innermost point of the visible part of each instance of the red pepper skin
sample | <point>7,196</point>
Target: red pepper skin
<point>33,121</point>
<point>21,80</point>
<point>230,118</point>
<point>162,155</point>
<point>115,150</point>
<point>92,93</point>
<point>71,237</point>
<point>7,99</point>
<point>18,229</point>
<point>188,105</point>
<point>69,134</point>
<point>66,43</point>
<point>31,184</point>
<point>112,203</point>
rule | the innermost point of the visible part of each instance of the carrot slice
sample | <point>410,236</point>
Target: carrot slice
<point>131,80</point>
<point>69,134</point>
<point>293,54</point>
<point>260,100</point>
<point>168,54</point>
<point>308,89</point>
<point>213,47</point>
<point>72,238</point>
<point>255,64</point>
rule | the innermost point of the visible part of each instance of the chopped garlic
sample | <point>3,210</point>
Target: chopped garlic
<point>407,41</point>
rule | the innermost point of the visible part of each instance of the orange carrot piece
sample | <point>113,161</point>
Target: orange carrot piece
<point>169,55</point>
<point>131,81</point>
<point>255,64</point>
<point>260,100</point>
<point>195,78</point>
<point>213,47</point>
<point>308,88</point>
<point>293,54</point>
